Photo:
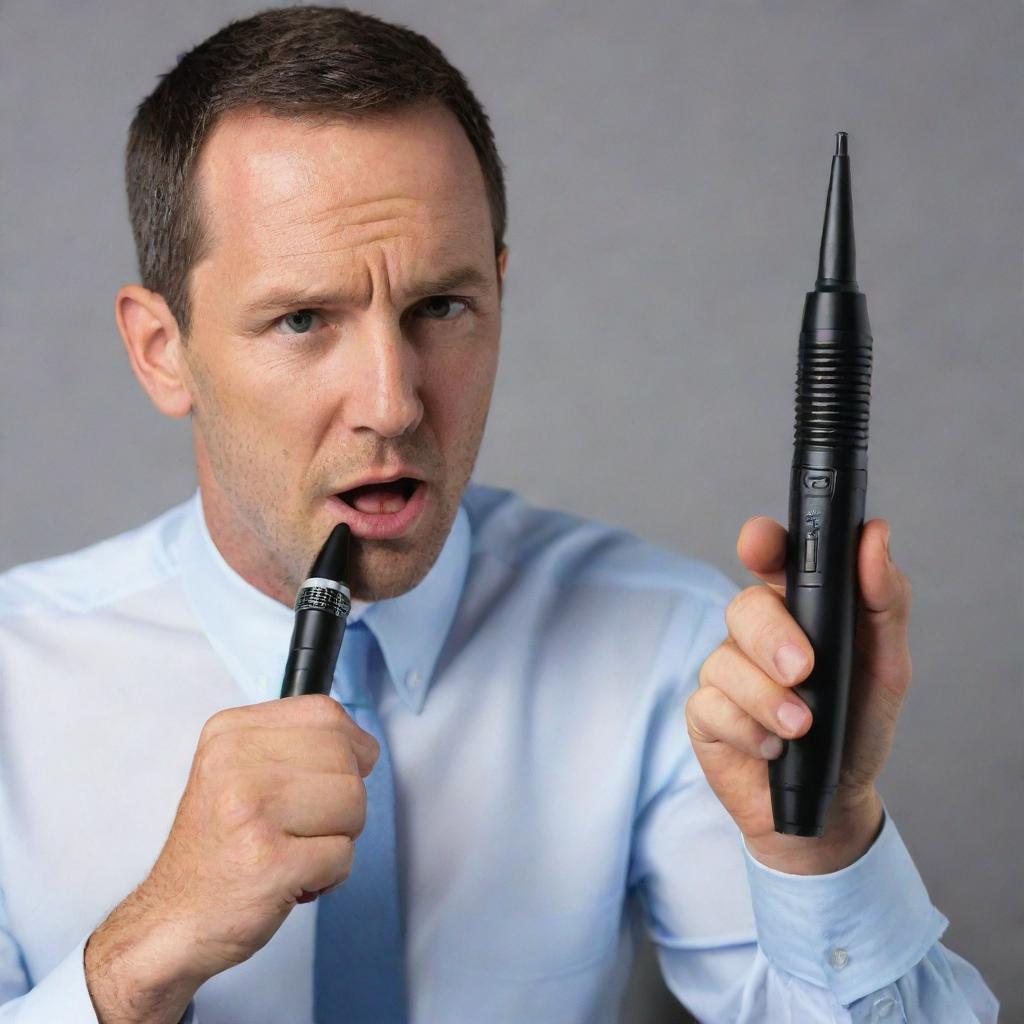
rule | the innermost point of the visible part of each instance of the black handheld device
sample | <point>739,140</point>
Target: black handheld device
<point>828,486</point>
<point>321,613</point>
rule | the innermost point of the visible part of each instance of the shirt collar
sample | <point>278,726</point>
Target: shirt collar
<point>251,631</point>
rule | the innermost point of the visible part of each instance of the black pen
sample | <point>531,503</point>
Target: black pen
<point>321,613</point>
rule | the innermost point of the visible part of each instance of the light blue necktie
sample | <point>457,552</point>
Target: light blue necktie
<point>359,971</point>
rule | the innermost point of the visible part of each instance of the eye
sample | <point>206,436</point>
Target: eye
<point>299,322</point>
<point>439,307</point>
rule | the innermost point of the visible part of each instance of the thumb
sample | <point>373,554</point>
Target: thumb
<point>885,591</point>
<point>761,547</point>
<point>884,606</point>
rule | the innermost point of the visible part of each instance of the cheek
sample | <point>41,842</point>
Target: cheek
<point>260,429</point>
<point>278,407</point>
<point>460,392</point>
<point>462,380</point>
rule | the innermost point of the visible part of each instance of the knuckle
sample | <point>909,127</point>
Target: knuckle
<point>731,714</point>
<point>236,806</point>
<point>345,760</point>
<point>370,741</point>
<point>213,725</point>
<point>702,675</point>
<point>700,710</point>
<point>767,634</point>
<point>325,710</point>
<point>214,757</point>
<point>744,605</point>
<point>737,606</point>
<point>352,792</point>
<point>690,711</point>
<point>251,851</point>
<point>751,596</point>
<point>339,760</point>
<point>709,665</point>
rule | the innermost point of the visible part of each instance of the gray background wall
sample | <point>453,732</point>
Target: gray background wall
<point>667,165</point>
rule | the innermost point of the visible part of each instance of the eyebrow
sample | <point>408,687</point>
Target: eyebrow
<point>280,298</point>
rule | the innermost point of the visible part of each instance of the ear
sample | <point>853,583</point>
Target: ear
<point>150,334</point>
<point>502,261</point>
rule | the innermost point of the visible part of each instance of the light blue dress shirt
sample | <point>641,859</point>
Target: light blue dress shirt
<point>548,802</point>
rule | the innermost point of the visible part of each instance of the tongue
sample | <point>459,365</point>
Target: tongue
<point>376,498</point>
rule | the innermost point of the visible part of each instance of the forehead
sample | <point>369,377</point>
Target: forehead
<point>281,188</point>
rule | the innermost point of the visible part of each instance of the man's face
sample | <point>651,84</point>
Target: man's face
<point>365,361</point>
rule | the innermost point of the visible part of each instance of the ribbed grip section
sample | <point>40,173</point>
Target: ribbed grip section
<point>324,599</point>
<point>833,390</point>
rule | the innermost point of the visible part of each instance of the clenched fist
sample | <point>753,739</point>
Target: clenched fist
<point>749,698</point>
<point>274,802</point>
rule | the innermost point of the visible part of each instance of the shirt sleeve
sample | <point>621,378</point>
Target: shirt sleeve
<point>62,995</point>
<point>739,942</point>
<point>869,935</point>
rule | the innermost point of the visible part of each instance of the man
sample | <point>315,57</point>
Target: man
<point>570,723</point>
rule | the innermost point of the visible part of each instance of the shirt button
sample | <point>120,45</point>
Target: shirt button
<point>883,1007</point>
<point>839,958</point>
<point>413,679</point>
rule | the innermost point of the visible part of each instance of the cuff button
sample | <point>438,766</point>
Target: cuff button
<point>882,1007</point>
<point>839,958</point>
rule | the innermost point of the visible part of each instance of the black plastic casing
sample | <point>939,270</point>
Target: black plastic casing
<point>828,490</point>
<point>322,605</point>
<point>313,653</point>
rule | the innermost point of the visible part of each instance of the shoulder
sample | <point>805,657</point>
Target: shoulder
<point>577,551</point>
<point>600,612</point>
<point>94,576</point>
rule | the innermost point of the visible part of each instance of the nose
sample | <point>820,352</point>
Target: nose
<point>384,377</point>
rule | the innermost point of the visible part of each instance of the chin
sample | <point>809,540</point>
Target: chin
<point>377,573</point>
<point>373,586</point>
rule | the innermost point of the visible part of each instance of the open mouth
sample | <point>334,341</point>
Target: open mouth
<point>381,498</point>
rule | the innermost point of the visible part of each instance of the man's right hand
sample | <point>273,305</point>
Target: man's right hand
<point>274,802</point>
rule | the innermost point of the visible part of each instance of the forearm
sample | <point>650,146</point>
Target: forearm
<point>134,968</point>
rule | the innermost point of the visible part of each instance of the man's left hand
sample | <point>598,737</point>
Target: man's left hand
<point>743,686</point>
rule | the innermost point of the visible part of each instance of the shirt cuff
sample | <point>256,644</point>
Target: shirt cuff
<point>852,931</point>
<point>61,994</point>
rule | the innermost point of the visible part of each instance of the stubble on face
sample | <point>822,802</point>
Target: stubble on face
<point>272,433</point>
<point>272,547</point>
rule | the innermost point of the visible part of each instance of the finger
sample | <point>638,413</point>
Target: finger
<point>292,748</point>
<point>711,717</point>
<point>762,627</point>
<point>325,750</point>
<point>311,710</point>
<point>327,862</point>
<point>773,706</point>
<point>320,804</point>
<point>761,547</point>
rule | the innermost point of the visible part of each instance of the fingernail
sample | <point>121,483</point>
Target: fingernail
<point>790,661</point>
<point>888,546</point>
<point>792,717</point>
<point>771,747</point>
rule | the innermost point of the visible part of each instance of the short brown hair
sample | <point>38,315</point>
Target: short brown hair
<point>292,62</point>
